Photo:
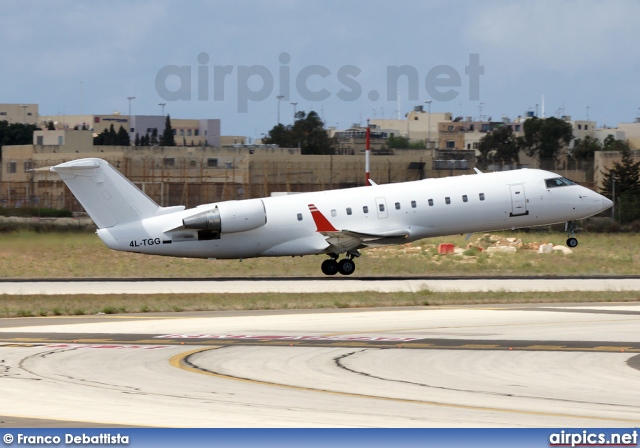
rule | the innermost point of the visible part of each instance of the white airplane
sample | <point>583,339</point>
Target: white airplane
<point>332,222</point>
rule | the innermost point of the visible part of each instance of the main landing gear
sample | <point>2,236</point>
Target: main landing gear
<point>332,266</point>
<point>570,228</point>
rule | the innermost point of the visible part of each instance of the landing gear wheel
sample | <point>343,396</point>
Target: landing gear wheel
<point>329,267</point>
<point>571,227</point>
<point>346,266</point>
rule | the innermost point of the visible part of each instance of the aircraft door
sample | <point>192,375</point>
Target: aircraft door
<point>381,207</point>
<point>518,200</point>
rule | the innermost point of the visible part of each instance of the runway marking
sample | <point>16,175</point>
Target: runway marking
<point>286,338</point>
<point>181,361</point>
<point>110,346</point>
<point>312,341</point>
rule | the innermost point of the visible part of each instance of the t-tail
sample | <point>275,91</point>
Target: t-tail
<point>109,198</point>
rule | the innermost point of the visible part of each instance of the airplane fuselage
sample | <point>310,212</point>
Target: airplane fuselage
<point>284,226</point>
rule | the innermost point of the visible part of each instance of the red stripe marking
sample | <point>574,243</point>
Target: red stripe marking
<point>322,223</point>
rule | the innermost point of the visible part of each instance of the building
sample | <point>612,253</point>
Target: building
<point>202,174</point>
<point>459,134</point>
<point>19,113</point>
<point>187,132</point>
<point>353,140</point>
<point>631,133</point>
<point>418,126</point>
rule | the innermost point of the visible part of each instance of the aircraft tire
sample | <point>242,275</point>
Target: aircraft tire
<point>572,242</point>
<point>329,267</point>
<point>346,266</point>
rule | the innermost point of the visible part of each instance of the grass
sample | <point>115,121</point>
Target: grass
<point>81,305</point>
<point>25,255</point>
<point>29,255</point>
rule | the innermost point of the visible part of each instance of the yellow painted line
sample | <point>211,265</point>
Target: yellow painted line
<point>544,347</point>
<point>18,345</point>
<point>479,346</point>
<point>179,361</point>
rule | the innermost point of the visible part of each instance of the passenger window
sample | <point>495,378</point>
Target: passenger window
<point>430,202</point>
<point>481,196</point>
<point>334,213</point>
<point>348,210</point>
<point>381,207</point>
<point>447,200</point>
<point>397,206</point>
<point>365,209</point>
<point>299,216</point>
<point>465,198</point>
<point>413,204</point>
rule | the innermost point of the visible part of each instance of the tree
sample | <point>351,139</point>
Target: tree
<point>394,142</point>
<point>621,183</point>
<point>167,138</point>
<point>107,137</point>
<point>585,149</point>
<point>307,133</point>
<point>545,138</point>
<point>122,138</point>
<point>625,173</point>
<point>583,154</point>
<point>136,141</point>
<point>16,134</point>
<point>154,137</point>
<point>499,147</point>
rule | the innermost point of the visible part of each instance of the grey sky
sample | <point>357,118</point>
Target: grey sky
<point>577,54</point>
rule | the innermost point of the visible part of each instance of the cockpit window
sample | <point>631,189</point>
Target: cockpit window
<point>559,182</point>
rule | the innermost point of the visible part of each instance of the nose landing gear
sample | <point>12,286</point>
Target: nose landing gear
<point>570,228</point>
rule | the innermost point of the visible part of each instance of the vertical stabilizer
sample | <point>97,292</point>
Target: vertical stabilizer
<point>109,197</point>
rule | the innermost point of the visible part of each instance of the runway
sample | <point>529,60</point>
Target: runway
<point>317,285</point>
<point>472,366</point>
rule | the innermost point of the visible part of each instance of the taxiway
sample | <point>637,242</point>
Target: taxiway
<point>501,366</point>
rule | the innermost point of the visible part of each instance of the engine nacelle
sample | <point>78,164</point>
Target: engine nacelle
<point>230,217</point>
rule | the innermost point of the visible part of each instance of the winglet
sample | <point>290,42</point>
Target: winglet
<point>322,223</point>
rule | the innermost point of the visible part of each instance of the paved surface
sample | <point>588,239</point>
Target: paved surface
<point>331,284</point>
<point>551,366</point>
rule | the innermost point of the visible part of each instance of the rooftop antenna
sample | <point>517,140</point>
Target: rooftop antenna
<point>588,107</point>
<point>480,110</point>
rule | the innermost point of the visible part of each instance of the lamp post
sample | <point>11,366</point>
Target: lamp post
<point>130,128</point>
<point>280,98</point>
<point>428,122</point>
<point>294,104</point>
<point>162,107</point>
<point>130,98</point>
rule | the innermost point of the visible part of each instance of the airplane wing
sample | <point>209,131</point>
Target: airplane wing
<point>349,240</point>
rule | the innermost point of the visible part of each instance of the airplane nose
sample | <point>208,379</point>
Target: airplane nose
<point>606,203</point>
